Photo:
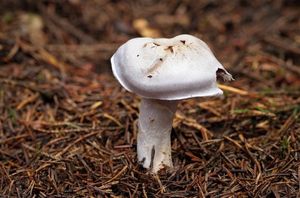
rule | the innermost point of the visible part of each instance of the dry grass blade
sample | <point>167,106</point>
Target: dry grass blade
<point>235,90</point>
<point>206,134</point>
<point>58,155</point>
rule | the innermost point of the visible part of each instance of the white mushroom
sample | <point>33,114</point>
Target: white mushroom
<point>164,71</point>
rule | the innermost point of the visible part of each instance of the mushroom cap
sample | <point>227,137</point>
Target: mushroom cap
<point>168,69</point>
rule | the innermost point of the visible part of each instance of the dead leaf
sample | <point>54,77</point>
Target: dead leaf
<point>142,26</point>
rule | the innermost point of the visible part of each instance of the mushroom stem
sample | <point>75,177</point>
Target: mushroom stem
<point>154,136</point>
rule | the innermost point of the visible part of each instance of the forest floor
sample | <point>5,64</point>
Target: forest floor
<point>68,129</point>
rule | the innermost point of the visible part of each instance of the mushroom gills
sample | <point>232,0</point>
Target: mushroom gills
<point>224,75</point>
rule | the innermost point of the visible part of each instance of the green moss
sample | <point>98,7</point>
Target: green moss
<point>8,17</point>
<point>240,111</point>
<point>284,145</point>
<point>12,115</point>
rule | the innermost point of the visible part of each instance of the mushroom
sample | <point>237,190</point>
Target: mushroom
<point>163,72</point>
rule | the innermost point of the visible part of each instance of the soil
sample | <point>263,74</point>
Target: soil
<point>68,129</point>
